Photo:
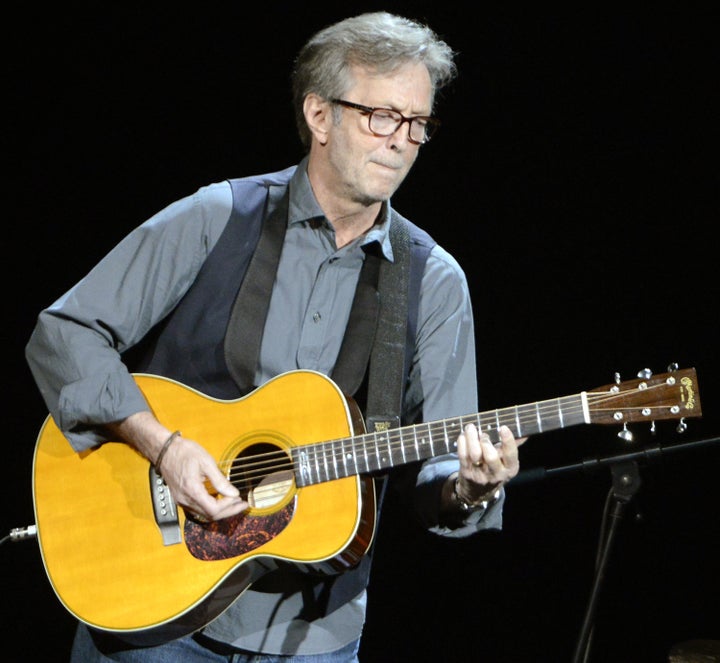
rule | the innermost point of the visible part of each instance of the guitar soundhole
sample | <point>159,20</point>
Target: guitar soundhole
<point>263,473</point>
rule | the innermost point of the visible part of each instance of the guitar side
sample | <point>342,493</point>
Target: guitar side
<point>101,545</point>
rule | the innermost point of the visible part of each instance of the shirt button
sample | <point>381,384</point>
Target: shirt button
<point>316,316</point>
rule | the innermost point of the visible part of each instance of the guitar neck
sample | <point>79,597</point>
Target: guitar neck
<point>370,452</point>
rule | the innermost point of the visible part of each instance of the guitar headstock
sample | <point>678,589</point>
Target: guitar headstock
<point>672,395</point>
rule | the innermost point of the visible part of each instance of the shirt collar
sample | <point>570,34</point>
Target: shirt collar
<point>303,206</point>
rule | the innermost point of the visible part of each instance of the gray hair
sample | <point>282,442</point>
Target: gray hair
<point>379,41</point>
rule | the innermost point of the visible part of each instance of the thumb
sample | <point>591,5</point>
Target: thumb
<point>220,483</point>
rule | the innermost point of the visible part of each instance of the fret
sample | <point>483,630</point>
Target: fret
<point>455,428</point>
<point>353,446</point>
<point>334,460</point>
<point>432,444</point>
<point>417,448</point>
<point>325,462</point>
<point>386,461</point>
<point>377,450</point>
<point>565,413</point>
<point>345,456</point>
<point>365,453</point>
<point>446,441</point>
<point>426,450</point>
<point>442,439</point>
<point>551,420</point>
<point>445,433</point>
<point>317,465</point>
<point>419,442</point>
<point>539,419</point>
<point>402,447</point>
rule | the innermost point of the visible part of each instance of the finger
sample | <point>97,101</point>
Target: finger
<point>507,435</point>
<point>490,453</point>
<point>510,451</point>
<point>472,454</point>
<point>214,507</point>
<point>509,443</point>
<point>224,507</point>
<point>219,481</point>
<point>463,443</point>
<point>228,506</point>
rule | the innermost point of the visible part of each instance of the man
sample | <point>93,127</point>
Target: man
<point>175,288</point>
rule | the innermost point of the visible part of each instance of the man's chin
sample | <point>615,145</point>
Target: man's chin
<point>370,199</point>
<point>384,191</point>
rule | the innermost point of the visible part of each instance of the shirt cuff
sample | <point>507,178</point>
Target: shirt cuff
<point>86,405</point>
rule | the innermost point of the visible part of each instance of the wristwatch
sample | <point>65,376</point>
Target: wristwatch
<point>467,507</point>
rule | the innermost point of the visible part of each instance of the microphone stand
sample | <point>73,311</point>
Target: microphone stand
<point>625,484</point>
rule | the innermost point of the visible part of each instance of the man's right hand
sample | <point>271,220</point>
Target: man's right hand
<point>191,473</point>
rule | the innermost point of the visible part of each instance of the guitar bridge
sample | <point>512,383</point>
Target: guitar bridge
<point>166,515</point>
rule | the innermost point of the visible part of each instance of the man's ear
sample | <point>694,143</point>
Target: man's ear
<point>318,116</point>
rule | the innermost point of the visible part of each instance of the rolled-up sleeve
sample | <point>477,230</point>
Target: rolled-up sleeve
<point>443,384</point>
<point>430,481</point>
<point>75,350</point>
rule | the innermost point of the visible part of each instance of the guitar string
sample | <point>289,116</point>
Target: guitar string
<point>325,455</point>
<point>319,450</point>
<point>360,441</point>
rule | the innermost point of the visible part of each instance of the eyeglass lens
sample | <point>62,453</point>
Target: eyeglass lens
<point>385,122</point>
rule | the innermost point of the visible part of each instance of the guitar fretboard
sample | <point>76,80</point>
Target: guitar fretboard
<point>374,451</point>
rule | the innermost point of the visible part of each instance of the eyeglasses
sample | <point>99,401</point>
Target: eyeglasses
<point>385,122</point>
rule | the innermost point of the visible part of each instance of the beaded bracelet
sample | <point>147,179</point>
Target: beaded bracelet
<point>164,449</point>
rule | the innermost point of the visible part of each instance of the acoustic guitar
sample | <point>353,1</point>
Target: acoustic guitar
<point>122,558</point>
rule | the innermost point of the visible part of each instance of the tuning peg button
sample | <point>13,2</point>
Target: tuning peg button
<point>645,374</point>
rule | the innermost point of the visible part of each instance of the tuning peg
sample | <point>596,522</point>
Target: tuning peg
<point>645,374</point>
<point>625,434</point>
<point>682,426</point>
<point>617,378</point>
<point>673,367</point>
<point>652,427</point>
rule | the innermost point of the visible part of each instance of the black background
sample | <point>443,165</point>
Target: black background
<point>575,178</point>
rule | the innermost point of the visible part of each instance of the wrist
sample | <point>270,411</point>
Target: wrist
<point>482,502</point>
<point>158,461</point>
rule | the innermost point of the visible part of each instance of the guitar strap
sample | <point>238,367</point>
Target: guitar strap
<point>387,362</point>
<point>247,318</point>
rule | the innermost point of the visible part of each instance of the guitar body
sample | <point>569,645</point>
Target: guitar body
<point>98,530</point>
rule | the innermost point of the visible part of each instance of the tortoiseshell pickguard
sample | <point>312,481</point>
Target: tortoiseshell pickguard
<point>234,536</point>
